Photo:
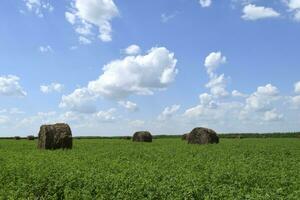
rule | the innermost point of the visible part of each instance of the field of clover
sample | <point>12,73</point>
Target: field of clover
<point>164,169</point>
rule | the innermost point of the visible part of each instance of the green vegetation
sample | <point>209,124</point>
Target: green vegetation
<point>164,169</point>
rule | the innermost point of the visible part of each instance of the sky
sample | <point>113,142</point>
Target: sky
<point>113,67</point>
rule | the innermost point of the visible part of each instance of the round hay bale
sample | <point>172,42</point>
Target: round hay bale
<point>202,135</point>
<point>30,137</point>
<point>55,136</point>
<point>17,138</point>
<point>142,136</point>
<point>184,136</point>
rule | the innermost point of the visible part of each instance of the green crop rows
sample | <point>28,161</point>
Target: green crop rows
<point>164,169</point>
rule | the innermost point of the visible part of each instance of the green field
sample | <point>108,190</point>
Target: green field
<point>164,169</point>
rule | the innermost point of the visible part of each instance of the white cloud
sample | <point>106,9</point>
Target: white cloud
<point>297,15</point>
<point>12,111</point>
<point>217,85</point>
<point>73,48</point>
<point>297,87</point>
<point>218,113</point>
<point>45,49</point>
<point>106,116</point>
<point>206,100</point>
<point>137,123</point>
<point>268,90</point>
<point>213,61</point>
<point>295,101</point>
<point>262,99</point>
<point>84,29</point>
<point>272,115</point>
<point>81,100</point>
<point>38,119</point>
<point>86,14</point>
<point>71,18</point>
<point>253,12</point>
<point>3,119</point>
<point>205,3</point>
<point>167,17</point>
<point>141,74</point>
<point>133,50</point>
<point>84,40</point>
<point>129,105</point>
<point>236,93</point>
<point>10,86</point>
<point>293,4</point>
<point>168,112</point>
<point>38,6</point>
<point>53,87</point>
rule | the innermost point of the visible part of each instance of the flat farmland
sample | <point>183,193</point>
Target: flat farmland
<point>164,169</point>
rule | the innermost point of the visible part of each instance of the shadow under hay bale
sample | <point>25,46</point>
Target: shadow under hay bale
<point>56,136</point>
<point>202,135</point>
<point>142,136</point>
<point>30,137</point>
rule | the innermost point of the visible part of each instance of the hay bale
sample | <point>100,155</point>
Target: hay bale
<point>30,137</point>
<point>55,136</point>
<point>184,136</point>
<point>142,136</point>
<point>202,135</point>
<point>17,138</point>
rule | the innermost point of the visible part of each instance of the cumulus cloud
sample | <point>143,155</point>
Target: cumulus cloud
<point>213,61</point>
<point>216,113</point>
<point>295,101</point>
<point>272,115</point>
<point>168,112</point>
<point>294,7</point>
<point>217,83</point>
<point>132,75</point>
<point>297,87</point>
<point>129,105</point>
<point>293,4</point>
<point>207,100</point>
<point>53,87</point>
<point>141,74</point>
<point>87,14</point>
<point>205,3</point>
<point>84,40</point>
<point>262,99</point>
<point>10,86</point>
<point>256,109</point>
<point>253,12</point>
<point>133,50</point>
<point>106,116</point>
<point>38,6</point>
<point>45,49</point>
<point>70,17</point>
<point>236,93</point>
<point>297,15</point>
<point>81,100</point>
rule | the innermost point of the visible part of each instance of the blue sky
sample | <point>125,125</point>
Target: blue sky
<point>110,67</point>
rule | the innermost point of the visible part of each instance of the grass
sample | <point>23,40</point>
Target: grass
<point>165,169</point>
